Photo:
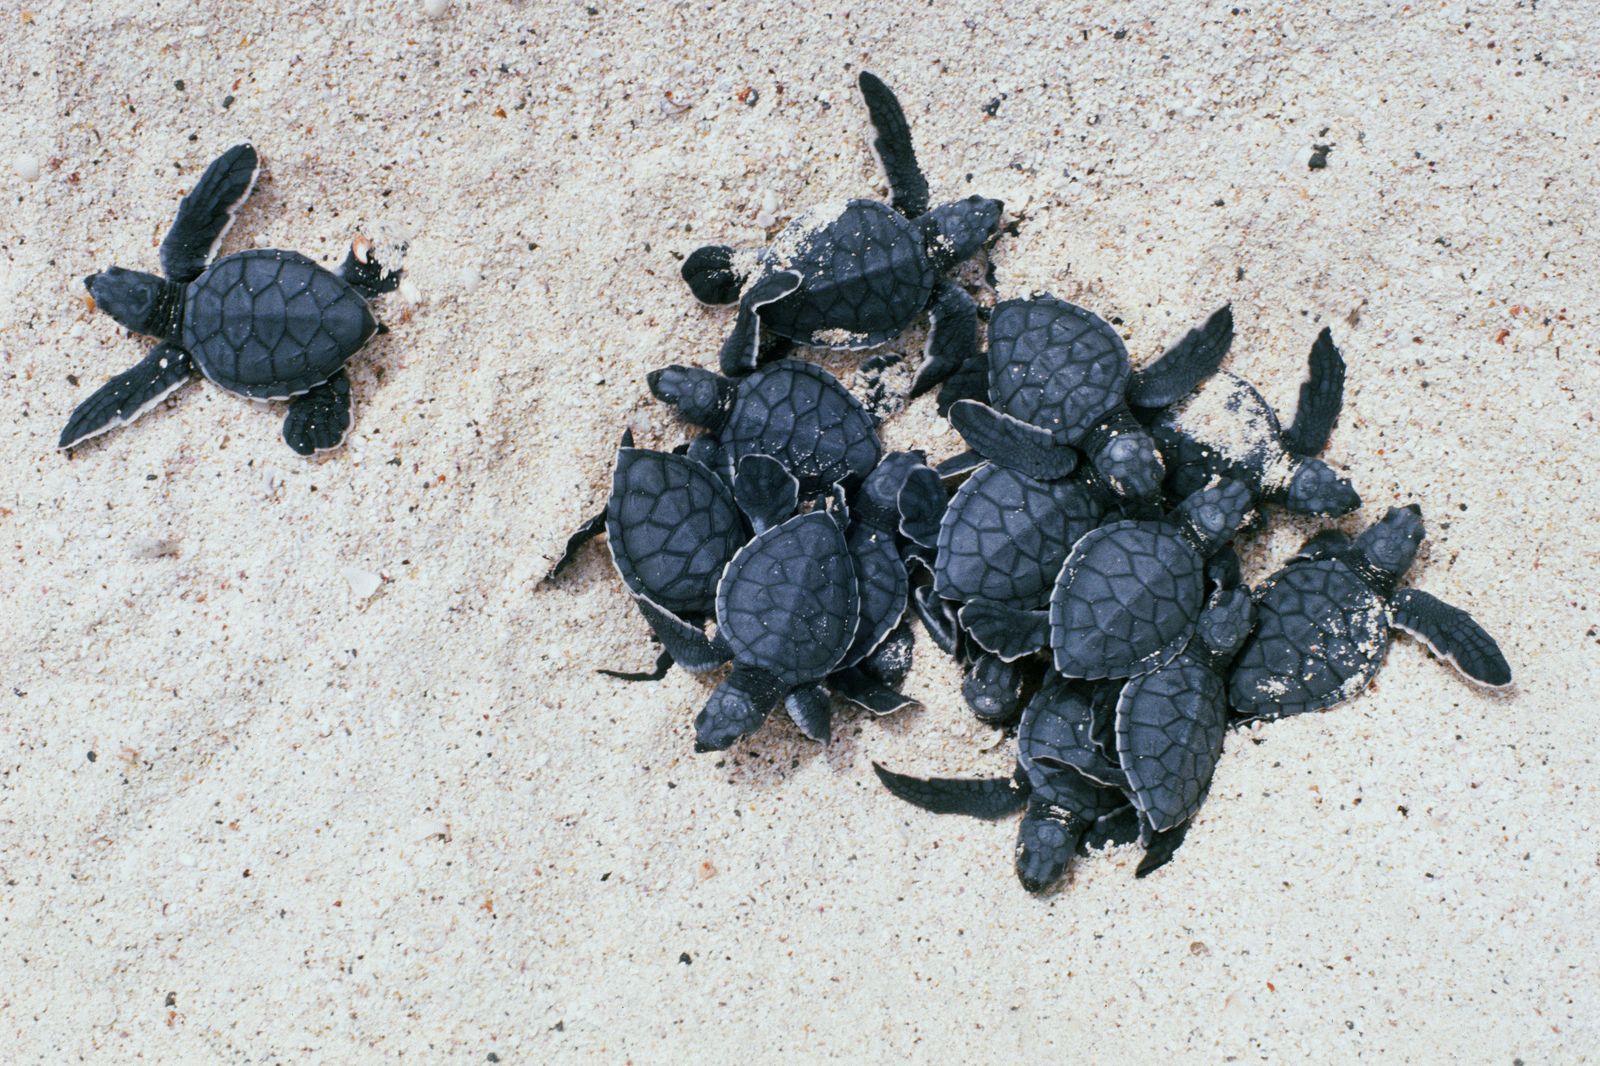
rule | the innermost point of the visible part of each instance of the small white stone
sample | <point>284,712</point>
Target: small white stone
<point>766,219</point>
<point>362,582</point>
<point>434,8</point>
<point>468,278</point>
<point>27,167</point>
<point>187,859</point>
<point>769,202</point>
<point>409,291</point>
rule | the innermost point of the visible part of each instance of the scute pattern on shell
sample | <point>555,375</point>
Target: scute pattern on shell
<point>787,603</point>
<point>1127,600</point>
<point>673,526</point>
<point>881,584</point>
<point>1170,725</point>
<point>1321,634</point>
<point>271,324</point>
<point>1005,535</point>
<point>865,276</point>
<point>1055,365</point>
<point>800,415</point>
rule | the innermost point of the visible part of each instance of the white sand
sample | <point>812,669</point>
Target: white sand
<point>248,816</point>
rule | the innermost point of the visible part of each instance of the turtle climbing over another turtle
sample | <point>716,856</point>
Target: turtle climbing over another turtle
<point>1064,806</point>
<point>853,277</point>
<point>793,411</point>
<point>672,526</point>
<point>1226,428</point>
<point>262,323</point>
<point>1324,623</point>
<point>1060,380</point>
<point>1128,595</point>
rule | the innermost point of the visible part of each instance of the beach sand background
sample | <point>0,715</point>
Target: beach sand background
<point>250,815</point>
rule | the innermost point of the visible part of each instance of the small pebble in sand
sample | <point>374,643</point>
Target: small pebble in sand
<point>409,291</point>
<point>362,582</point>
<point>468,278</point>
<point>27,167</point>
<point>434,8</point>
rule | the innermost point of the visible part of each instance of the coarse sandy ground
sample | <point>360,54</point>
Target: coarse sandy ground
<point>247,815</point>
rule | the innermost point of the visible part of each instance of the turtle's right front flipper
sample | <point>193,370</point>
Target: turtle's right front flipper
<point>206,213</point>
<point>684,641</point>
<point>1012,443</point>
<point>908,189</point>
<point>1321,397</point>
<point>129,394</point>
<point>742,350</point>
<point>983,797</point>
<point>1185,365</point>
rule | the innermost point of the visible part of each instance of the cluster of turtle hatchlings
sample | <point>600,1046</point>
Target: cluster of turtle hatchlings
<point>1075,559</point>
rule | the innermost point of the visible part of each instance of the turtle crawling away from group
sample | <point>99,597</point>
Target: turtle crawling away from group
<point>262,323</point>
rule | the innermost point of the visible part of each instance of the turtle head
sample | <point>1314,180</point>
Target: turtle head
<point>1209,518</point>
<point>699,395</point>
<point>1390,545</point>
<point>142,302</point>
<point>1226,621</point>
<point>955,231</point>
<point>1129,462</point>
<point>1314,488</point>
<point>711,275</point>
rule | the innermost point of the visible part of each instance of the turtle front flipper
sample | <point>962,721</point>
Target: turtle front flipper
<point>952,348</point>
<point>1046,841</point>
<point>1008,632</point>
<point>129,394</point>
<point>1453,635</point>
<point>982,797</point>
<point>206,214</point>
<point>938,618</point>
<point>1321,397</point>
<point>811,710</point>
<point>363,273</point>
<point>766,492</point>
<point>710,275</point>
<point>319,420</point>
<point>736,708</point>
<point>891,142</point>
<point>741,352</point>
<point>1185,365</point>
<point>1012,443</point>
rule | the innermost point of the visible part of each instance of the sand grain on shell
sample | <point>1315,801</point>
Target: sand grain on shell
<point>247,816</point>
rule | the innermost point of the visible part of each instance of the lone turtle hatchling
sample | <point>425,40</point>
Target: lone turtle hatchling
<point>262,323</point>
<point>853,277</point>
<point>1324,623</point>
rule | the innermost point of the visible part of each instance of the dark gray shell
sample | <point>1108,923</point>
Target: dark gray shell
<point>1127,600</point>
<point>1005,535</point>
<point>1052,730</point>
<point>882,584</point>
<point>864,276</point>
<point>271,324</point>
<point>1057,730</point>
<point>787,603</point>
<point>1170,725</point>
<point>672,526</point>
<point>1321,633</point>
<point>1225,427</point>
<point>799,414</point>
<point>1055,365</point>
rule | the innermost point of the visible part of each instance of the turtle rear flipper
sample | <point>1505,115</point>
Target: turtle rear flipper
<point>656,673</point>
<point>684,641</point>
<point>891,143</point>
<point>1012,443</point>
<point>1321,397</point>
<point>983,797</point>
<point>1452,635</point>
<point>363,273</point>
<point>319,420</point>
<point>858,687</point>
<point>811,710</point>
<point>1008,632</point>
<point>1160,847</point>
<point>129,394</point>
<point>590,529</point>
<point>1046,841</point>
<point>206,214</point>
<point>1187,363</point>
<point>952,346</point>
<point>741,351</point>
<point>938,618</point>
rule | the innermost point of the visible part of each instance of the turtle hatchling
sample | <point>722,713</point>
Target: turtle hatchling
<point>1324,623</point>
<point>793,411</point>
<point>1128,595</point>
<point>1060,380</point>
<point>854,276</point>
<point>262,323</point>
<point>1225,428</point>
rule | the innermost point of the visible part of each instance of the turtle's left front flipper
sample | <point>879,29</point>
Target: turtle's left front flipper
<point>206,213</point>
<point>319,420</point>
<point>1321,397</point>
<point>891,141</point>
<point>129,394</point>
<point>1185,365</point>
<point>1452,635</point>
<point>952,350</point>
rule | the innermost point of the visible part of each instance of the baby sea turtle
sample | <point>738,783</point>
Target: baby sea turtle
<point>1063,805</point>
<point>672,526</point>
<point>1128,595</point>
<point>1060,380</point>
<point>787,609</point>
<point>793,411</point>
<point>266,324</point>
<point>853,277</point>
<point>1225,428</point>
<point>1325,621</point>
